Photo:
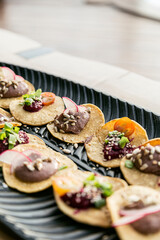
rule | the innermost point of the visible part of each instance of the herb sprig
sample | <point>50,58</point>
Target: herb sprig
<point>11,133</point>
<point>123,140</point>
<point>105,187</point>
<point>30,98</point>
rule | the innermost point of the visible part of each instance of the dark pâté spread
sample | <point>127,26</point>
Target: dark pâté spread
<point>72,122</point>
<point>92,194</point>
<point>11,136</point>
<point>39,169</point>
<point>146,159</point>
<point>116,145</point>
<point>12,87</point>
<point>148,224</point>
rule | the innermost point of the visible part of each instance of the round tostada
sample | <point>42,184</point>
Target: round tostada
<point>31,168</point>
<point>114,140</point>
<point>82,196</point>
<point>11,136</point>
<point>135,213</point>
<point>7,117</point>
<point>77,122</point>
<point>142,167</point>
<point>37,108</point>
<point>12,87</point>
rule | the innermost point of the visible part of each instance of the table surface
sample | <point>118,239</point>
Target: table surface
<point>97,32</point>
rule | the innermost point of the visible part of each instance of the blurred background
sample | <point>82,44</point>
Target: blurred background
<point>119,32</point>
<point>123,33</point>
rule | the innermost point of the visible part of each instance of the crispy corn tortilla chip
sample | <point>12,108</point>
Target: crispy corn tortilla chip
<point>32,140</point>
<point>117,200</point>
<point>44,116</point>
<point>91,216</point>
<point>95,146</point>
<point>5,102</point>
<point>134,176</point>
<point>7,114</point>
<point>14,182</point>
<point>96,120</point>
<point>35,140</point>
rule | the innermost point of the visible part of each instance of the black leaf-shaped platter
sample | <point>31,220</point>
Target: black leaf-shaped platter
<point>36,216</point>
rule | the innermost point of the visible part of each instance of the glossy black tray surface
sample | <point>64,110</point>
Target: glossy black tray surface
<point>36,216</point>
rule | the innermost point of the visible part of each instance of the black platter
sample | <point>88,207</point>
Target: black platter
<point>36,216</point>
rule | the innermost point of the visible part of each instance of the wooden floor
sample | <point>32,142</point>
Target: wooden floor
<point>98,32</point>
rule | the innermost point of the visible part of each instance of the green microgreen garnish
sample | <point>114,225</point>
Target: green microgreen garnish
<point>100,203</point>
<point>106,141</point>
<point>11,133</point>
<point>63,167</point>
<point>123,141</point>
<point>28,101</point>
<point>115,133</point>
<point>129,164</point>
<point>91,177</point>
<point>105,187</point>
<point>16,129</point>
<point>30,98</point>
<point>12,139</point>
<point>2,135</point>
<point>8,126</point>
